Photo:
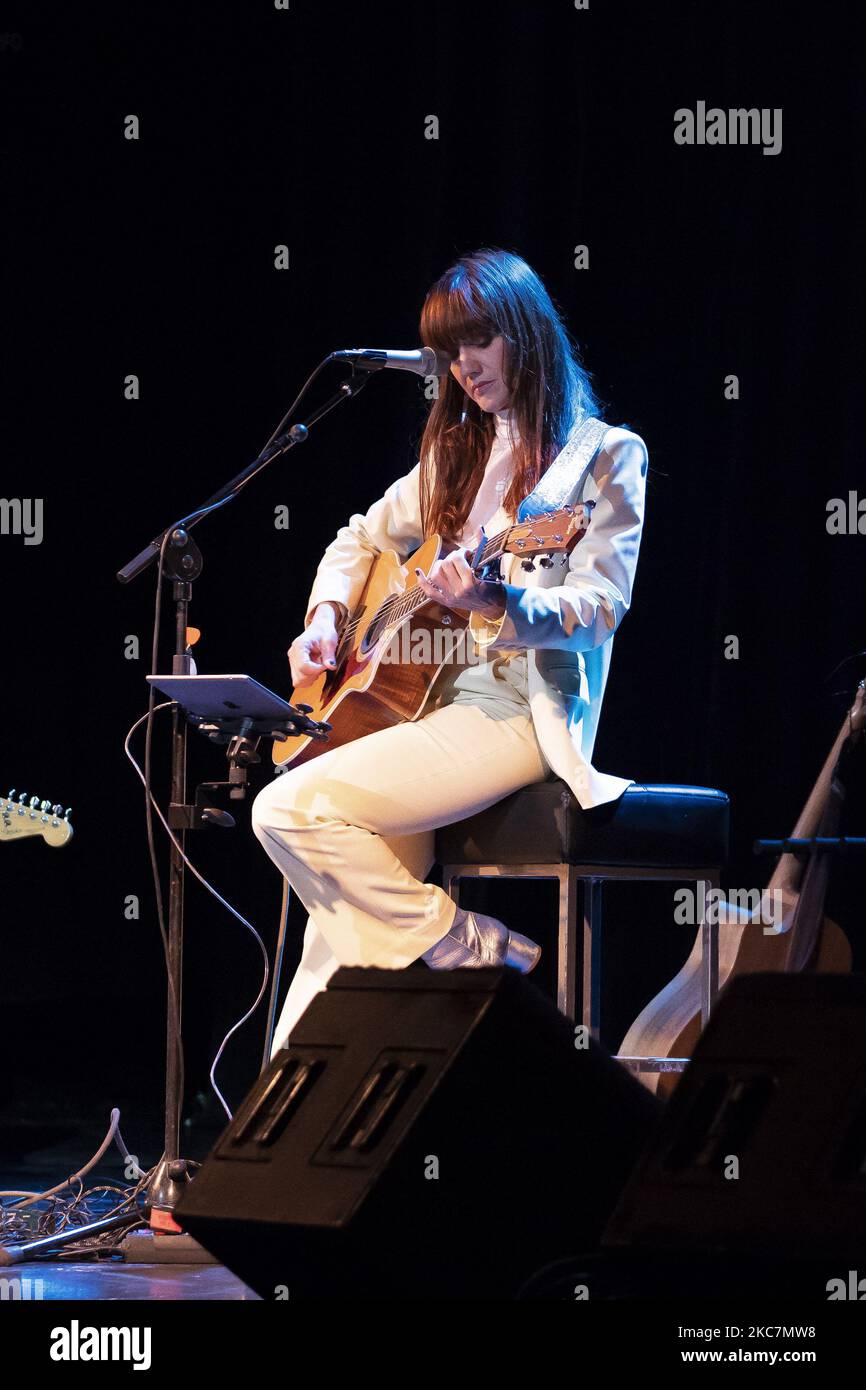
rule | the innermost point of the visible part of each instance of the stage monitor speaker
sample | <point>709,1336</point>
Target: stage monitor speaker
<point>426,1135</point>
<point>762,1148</point>
<point>755,1181</point>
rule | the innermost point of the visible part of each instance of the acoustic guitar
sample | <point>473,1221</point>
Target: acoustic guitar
<point>802,937</point>
<point>21,818</point>
<point>372,685</point>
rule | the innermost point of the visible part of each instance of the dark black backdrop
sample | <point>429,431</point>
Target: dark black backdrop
<point>155,257</point>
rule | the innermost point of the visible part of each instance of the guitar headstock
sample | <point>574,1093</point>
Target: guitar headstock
<point>549,533</point>
<point>21,818</point>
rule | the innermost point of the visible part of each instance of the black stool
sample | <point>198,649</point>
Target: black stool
<point>671,833</point>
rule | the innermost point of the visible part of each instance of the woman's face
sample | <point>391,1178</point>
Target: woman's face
<point>479,368</point>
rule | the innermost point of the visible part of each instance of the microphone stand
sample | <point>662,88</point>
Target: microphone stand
<point>183,564</point>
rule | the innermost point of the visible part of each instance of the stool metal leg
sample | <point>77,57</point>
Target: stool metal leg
<point>451,881</point>
<point>593,878</point>
<point>566,947</point>
<point>592,955</point>
<point>568,878</point>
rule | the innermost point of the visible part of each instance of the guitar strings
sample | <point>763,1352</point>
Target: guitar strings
<point>399,606</point>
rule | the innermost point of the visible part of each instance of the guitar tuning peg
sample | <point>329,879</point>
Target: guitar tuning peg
<point>11,794</point>
<point>545,562</point>
<point>67,813</point>
<point>527,565</point>
<point>563,559</point>
<point>22,798</point>
<point>44,806</point>
<point>56,810</point>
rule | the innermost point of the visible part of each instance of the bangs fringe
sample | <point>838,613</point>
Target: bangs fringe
<point>455,315</point>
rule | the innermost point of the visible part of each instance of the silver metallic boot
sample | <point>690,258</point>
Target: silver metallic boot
<point>474,940</point>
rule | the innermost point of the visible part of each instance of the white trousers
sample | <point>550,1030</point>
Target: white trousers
<point>353,829</point>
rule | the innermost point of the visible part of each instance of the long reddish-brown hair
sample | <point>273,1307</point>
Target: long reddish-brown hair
<point>481,296</point>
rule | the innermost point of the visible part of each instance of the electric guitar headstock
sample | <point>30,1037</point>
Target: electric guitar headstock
<point>21,818</point>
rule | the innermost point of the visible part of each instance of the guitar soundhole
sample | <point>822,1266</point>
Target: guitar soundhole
<point>372,635</point>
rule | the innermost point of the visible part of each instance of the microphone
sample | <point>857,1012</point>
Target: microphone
<point>423,361</point>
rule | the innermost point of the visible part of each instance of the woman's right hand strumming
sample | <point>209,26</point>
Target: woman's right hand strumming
<point>314,650</point>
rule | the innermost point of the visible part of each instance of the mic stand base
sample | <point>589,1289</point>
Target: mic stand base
<point>164,1192</point>
<point>158,1248</point>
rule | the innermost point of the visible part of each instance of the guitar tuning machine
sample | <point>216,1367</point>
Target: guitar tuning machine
<point>527,565</point>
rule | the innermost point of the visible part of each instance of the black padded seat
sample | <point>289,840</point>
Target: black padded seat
<point>649,825</point>
<point>653,831</point>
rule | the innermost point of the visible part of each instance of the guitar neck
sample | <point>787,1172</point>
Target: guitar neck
<point>495,547</point>
<point>789,869</point>
<point>541,536</point>
<point>529,542</point>
<point>408,603</point>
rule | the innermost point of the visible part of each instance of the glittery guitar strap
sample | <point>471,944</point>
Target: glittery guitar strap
<point>566,472</point>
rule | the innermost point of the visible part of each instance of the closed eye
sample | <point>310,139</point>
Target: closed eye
<point>480,343</point>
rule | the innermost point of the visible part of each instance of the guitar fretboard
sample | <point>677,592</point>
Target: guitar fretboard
<point>398,606</point>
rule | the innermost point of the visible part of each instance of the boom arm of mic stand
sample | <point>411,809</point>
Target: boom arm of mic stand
<point>281,445</point>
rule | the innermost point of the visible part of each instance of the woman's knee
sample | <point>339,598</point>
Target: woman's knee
<point>276,807</point>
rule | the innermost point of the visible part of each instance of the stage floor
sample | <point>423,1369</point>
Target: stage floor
<point>117,1281</point>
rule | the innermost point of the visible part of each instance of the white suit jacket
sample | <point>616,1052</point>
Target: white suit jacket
<point>565,619</point>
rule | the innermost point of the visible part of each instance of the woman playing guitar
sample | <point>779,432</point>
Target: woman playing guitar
<point>353,829</point>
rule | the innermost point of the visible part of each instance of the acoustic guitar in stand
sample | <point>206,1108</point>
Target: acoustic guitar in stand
<point>802,937</point>
<point>371,686</point>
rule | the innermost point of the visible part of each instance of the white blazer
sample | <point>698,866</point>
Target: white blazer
<point>564,619</point>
